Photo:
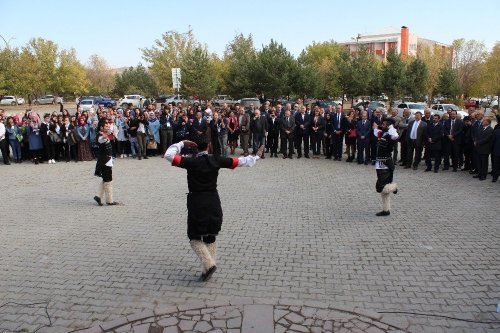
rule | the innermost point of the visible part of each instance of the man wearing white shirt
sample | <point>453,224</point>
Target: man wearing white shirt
<point>416,140</point>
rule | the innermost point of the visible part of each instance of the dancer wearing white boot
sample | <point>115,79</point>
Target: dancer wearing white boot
<point>203,203</point>
<point>104,166</point>
<point>386,136</point>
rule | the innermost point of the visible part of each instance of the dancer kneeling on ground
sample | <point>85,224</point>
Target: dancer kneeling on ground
<point>386,136</point>
<point>203,203</point>
<point>104,166</point>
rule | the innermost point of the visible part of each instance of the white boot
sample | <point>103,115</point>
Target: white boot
<point>386,204</point>
<point>212,248</point>
<point>207,262</point>
<point>100,194</point>
<point>390,188</point>
<point>108,189</point>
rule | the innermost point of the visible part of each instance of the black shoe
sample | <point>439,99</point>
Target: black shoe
<point>145,157</point>
<point>284,156</point>
<point>494,180</point>
<point>436,170</point>
<point>290,157</point>
<point>482,178</point>
<point>465,169</point>
<point>267,150</point>
<point>366,163</point>
<point>140,158</point>
<point>306,156</point>
<point>454,170</point>
<point>475,176</point>
<point>395,191</point>
<point>98,200</point>
<point>208,274</point>
<point>415,167</point>
<point>446,168</point>
<point>427,170</point>
<point>402,164</point>
<point>383,213</point>
<point>299,155</point>
<point>114,203</point>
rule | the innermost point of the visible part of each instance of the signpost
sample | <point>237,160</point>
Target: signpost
<point>176,79</point>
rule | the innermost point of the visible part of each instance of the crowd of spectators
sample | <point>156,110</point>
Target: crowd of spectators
<point>291,130</point>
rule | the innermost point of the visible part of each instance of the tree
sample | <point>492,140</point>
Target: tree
<point>99,75</point>
<point>416,79</point>
<point>346,79</point>
<point>273,70</point>
<point>492,71</point>
<point>448,85</point>
<point>435,58</point>
<point>240,55</point>
<point>468,57</point>
<point>136,80</point>
<point>393,75</point>
<point>71,77</point>
<point>321,58</point>
<point>366,73</point>
<point>198,74</point>
<point>169,52</point>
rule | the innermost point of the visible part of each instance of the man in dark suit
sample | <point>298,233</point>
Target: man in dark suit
<point>363,130</point>
<point>403,135</point>
<point>273,126</point>
<point>302,132</point>
<point>258,127</point>
<point>377,118</point>
<point>483,148</point>
<point>287,132</point>
<point>495,152</point>
<point>476,126</point>
<point>416,138</point>
<point>433,144</point>
<point>453,131</point>
<point>339,125</point>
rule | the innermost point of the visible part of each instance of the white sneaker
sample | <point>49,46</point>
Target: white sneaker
<point>50,161</point>
<point>53,161</point>
<point>122,156</point>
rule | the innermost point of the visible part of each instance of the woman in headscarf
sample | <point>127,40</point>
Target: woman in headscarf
<point>35,137</point>
<point>121,137</point>
<point>83,131</point>
<point>154,132</point>
<point>14,136</point>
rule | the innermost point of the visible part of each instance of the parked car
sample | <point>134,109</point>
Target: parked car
<point>10,100</point>
<point>373,105</point>
<point>175,99</point>
<point>247,103</point>
<point>325,104</point>
<point>47,99</point>
<point>440,109</point>
<point>162,98</point>
<point>135,100</point>
<point>106,101</point>
<point>413,107</point>
<point>87,104</point>
<point>220,100</point>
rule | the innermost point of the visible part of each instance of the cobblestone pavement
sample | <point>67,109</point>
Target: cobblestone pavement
<point>294,230</point>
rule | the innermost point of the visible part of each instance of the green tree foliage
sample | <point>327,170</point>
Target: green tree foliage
<point>100,75</point>
<point>366,73</point>
<point>169,52</point>
<point>435,58</point>
<point>198,74</point>
<point>320,59</point>
<point>491,79</point>
<point>240,56</point>
<point>448,85</point>
<point>393,75</point>
<point>345,79</point>
<point>416,79</point>
<point>71,77</point>
<point>273,71</point>
<point>468,57</point>
<point>135,80</point>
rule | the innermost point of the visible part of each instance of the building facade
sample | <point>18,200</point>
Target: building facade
<point>404,42</point>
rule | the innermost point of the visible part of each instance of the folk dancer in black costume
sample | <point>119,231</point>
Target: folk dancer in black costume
<point>104,166</point>
<point>203,203</point>
<point>386,136</point>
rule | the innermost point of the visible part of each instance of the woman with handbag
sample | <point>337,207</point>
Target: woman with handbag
<point>350,136</point>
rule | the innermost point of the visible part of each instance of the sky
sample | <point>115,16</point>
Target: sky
<point>117,30</point>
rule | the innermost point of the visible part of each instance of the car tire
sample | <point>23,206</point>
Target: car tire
<point>13,103</point>
<point>124,105</point>
<point>36,103</point>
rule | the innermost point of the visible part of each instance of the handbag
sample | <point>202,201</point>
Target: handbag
<point>352,133</point>
<point>54,137</point>
<point>152,144</point>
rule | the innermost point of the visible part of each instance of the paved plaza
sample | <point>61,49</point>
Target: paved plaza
<point>300,250</point>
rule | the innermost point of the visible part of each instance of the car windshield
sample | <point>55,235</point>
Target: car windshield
<point>85,102</point>
<point>417,106</point>
<point>452,106</point>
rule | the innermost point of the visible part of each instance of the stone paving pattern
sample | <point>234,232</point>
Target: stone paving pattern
<point>303,230</point>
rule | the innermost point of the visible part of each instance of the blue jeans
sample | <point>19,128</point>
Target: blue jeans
<point>258,140</point>
<point>134,147</point>
<point>16,148</point>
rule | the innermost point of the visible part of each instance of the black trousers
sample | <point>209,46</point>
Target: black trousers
<point>4,147</point>
<point>363,151</point>
<point>337,145</point>
<point>467,149</point>
<point>413,150</point>
<point>384,177</point>
<point>496,166</point>
<point>451,149</point>
<point>433,154</point>
<point>404,149</point>
<point>316,138</point>
<point>483,165</point>
<point>302,137</point>
<point>272,142</point>
<point>287,139</point>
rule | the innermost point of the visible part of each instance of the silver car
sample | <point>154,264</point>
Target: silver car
<point>47,99</point>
